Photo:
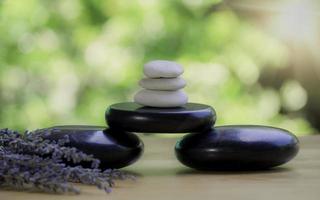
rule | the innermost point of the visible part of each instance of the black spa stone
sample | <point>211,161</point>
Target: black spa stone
<point>237,148</point>
<point>136,118</point>
<point>114,148</point>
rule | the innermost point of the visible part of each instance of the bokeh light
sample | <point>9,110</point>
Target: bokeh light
<point>64,62</point>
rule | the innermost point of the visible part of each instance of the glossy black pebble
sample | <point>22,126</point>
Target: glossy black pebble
<point>115,149</point>
<point>237,148</point>
<point>136,118</point>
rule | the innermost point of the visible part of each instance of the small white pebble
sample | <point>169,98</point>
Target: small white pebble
<point>162,99</point>
<point>162,69</point>
<point>163,83</point>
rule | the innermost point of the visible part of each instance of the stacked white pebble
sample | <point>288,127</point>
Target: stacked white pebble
<point>162,86</point>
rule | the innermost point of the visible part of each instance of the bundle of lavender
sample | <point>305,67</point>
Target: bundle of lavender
<point>30,162</point>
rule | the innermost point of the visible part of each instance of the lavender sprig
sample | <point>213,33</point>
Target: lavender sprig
<point>31,162</point>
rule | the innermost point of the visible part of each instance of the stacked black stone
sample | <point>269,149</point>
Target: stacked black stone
<point>208,147</point>
<point>134,117</point>
<point>114,148</point>
<point>205,148</point>
<point>237,148</point>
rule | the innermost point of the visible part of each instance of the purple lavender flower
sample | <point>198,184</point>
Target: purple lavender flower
<point>30,162</point>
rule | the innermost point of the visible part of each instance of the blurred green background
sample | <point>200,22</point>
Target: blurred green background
<point>64,61</point>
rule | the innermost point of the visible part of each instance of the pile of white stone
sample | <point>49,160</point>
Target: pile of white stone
<point>162,86</point>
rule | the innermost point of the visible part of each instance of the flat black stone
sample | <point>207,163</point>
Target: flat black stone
<point>114,148</point>
<point>237,148</point>
<point>136,118</point>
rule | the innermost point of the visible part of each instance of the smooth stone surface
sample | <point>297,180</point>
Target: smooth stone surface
<point>114,148</point>
<point>163,83</point>
<point>162,69</point>
<point>136,118</point>
<point>161,99</point>
<point>237,148</point>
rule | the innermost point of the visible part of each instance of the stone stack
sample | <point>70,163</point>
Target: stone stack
<point>162,107</point>
<point>162,86</point>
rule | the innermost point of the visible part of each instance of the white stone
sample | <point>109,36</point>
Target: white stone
<point>163,83</point>
<point>162,69</point>
<point>162,99</point>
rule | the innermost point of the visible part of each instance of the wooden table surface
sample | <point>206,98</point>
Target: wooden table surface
<point>161,176</point>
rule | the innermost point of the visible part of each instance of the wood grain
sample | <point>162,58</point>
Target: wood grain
<point>161,176</point>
